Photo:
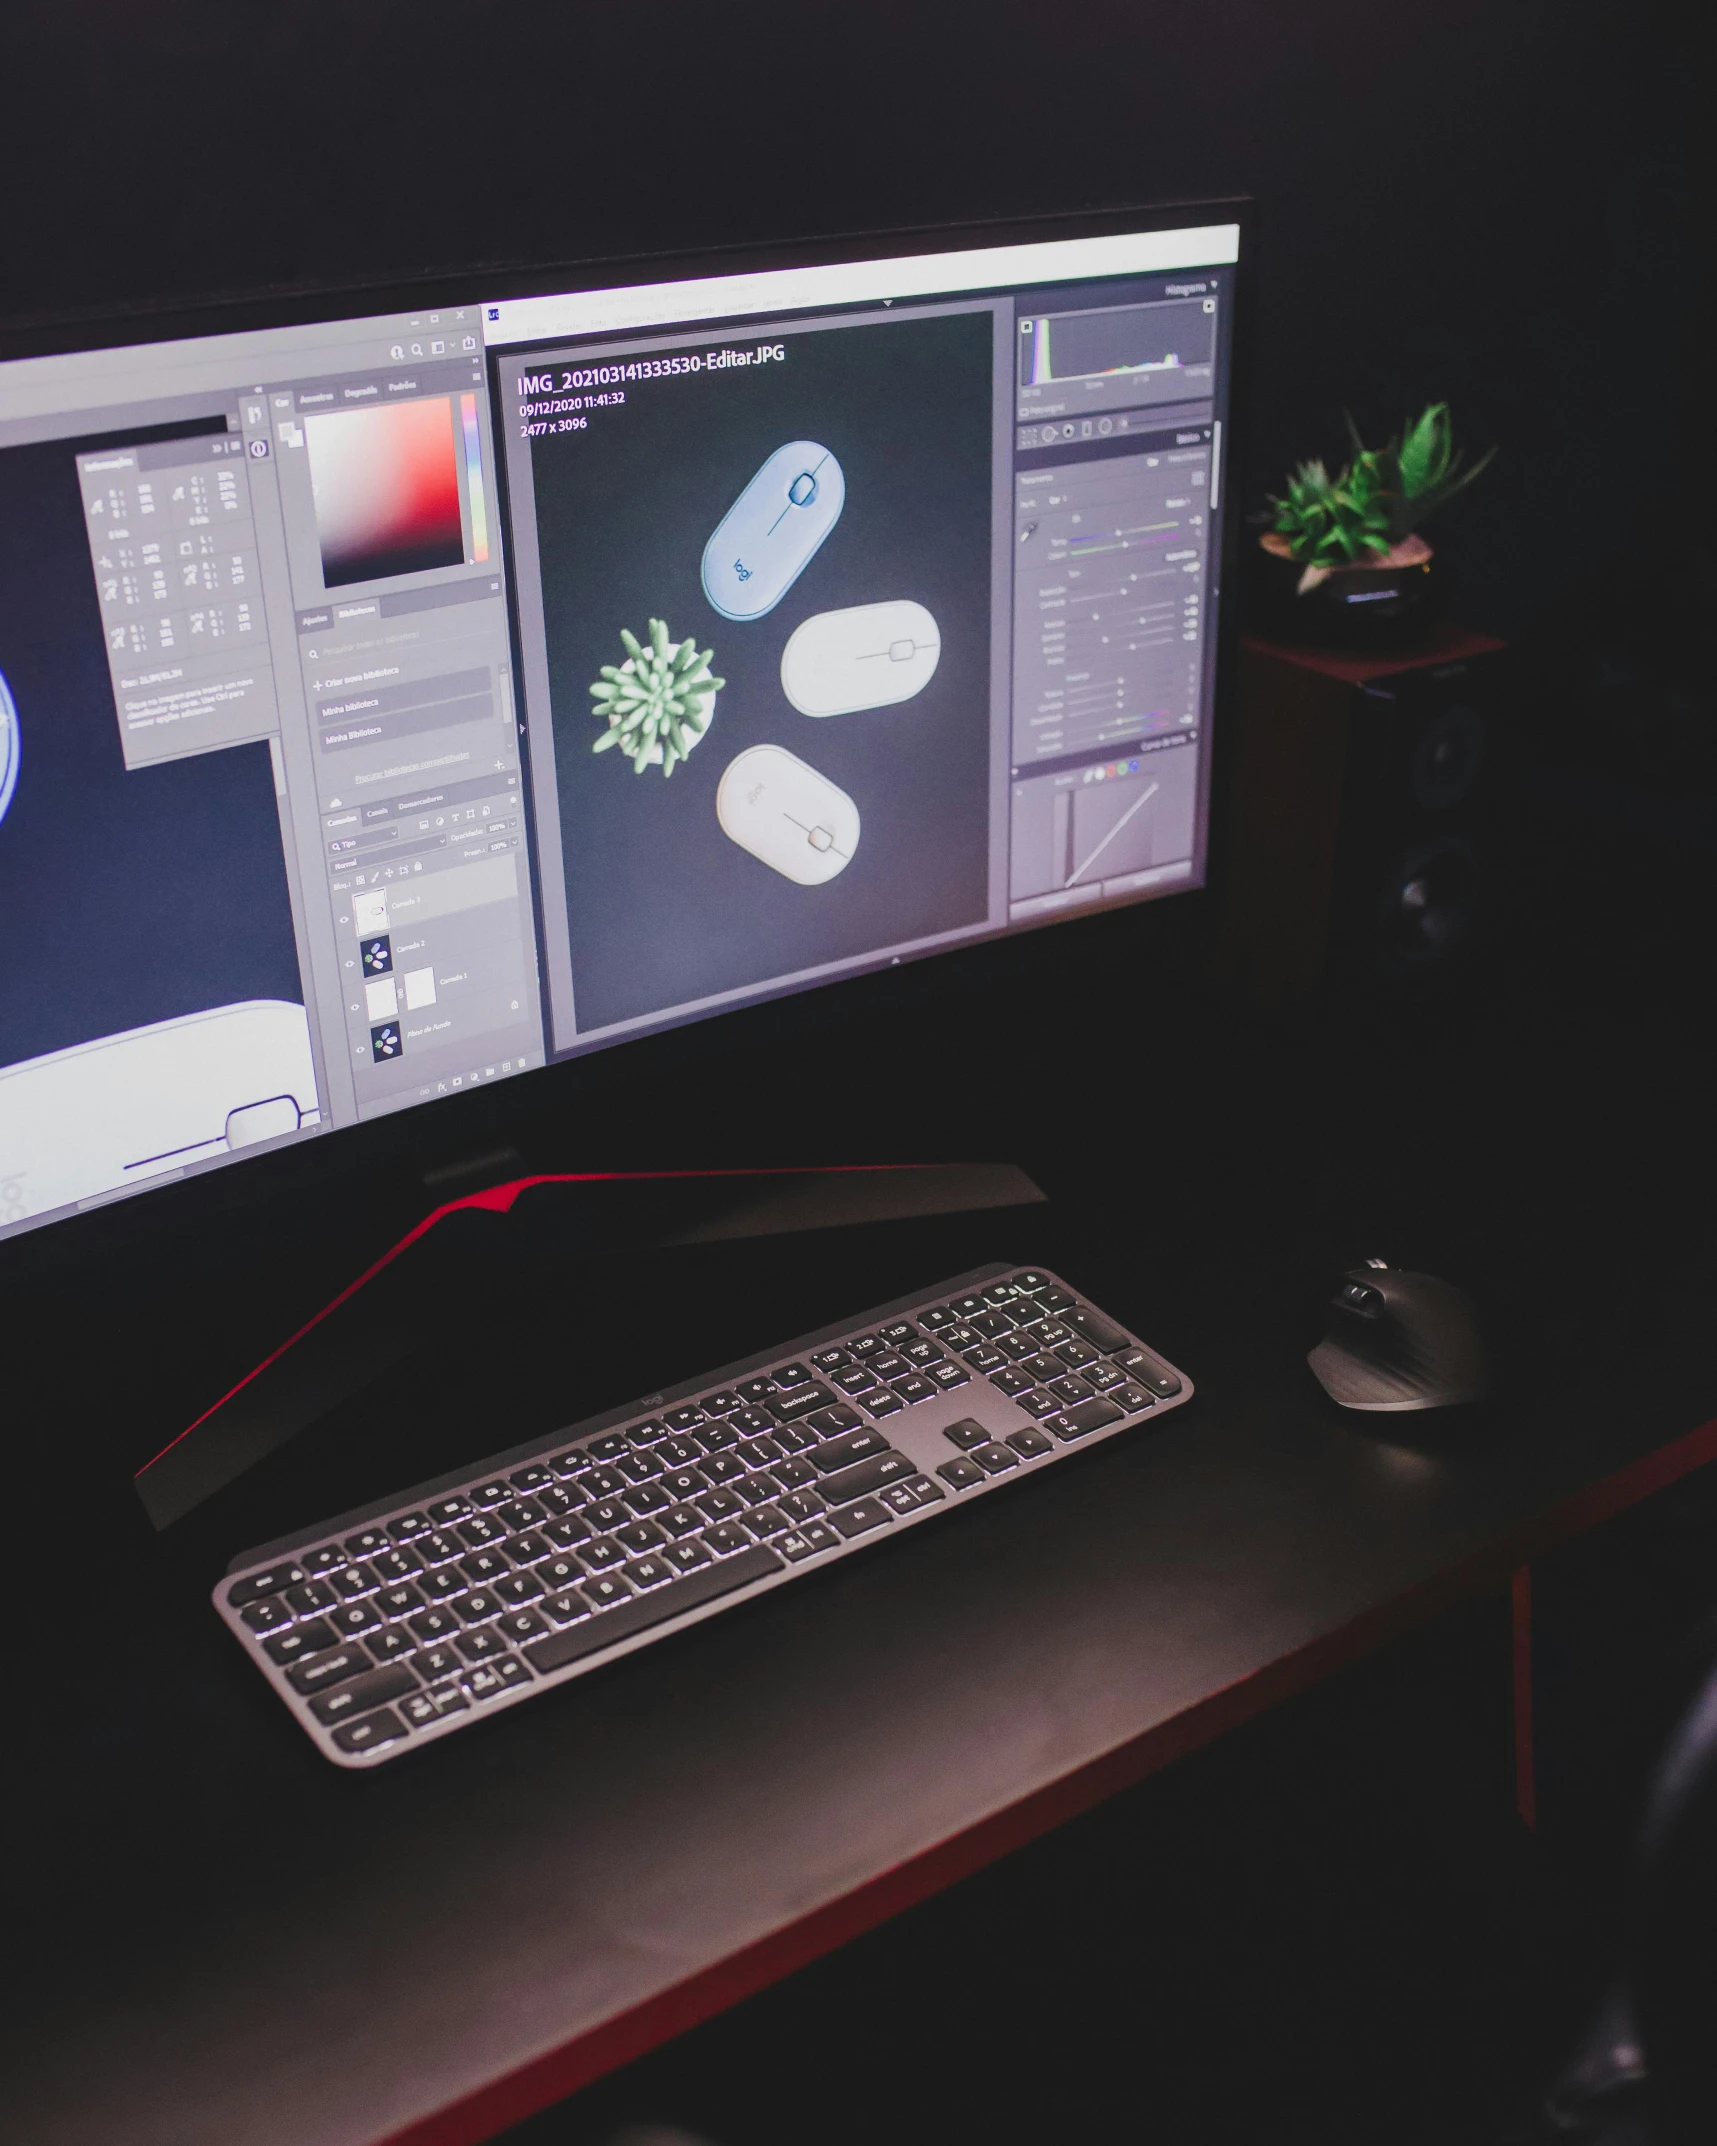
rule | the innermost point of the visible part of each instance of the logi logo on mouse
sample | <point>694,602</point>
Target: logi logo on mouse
<point>742,572</point>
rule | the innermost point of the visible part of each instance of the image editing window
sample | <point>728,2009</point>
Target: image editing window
<point>390,704</point>
<point>851,631</point>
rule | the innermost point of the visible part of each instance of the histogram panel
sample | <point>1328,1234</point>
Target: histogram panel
<point>1117,340</point>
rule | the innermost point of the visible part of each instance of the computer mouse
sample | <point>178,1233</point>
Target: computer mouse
<point>767,538</point>
<point>787,815</point>
<point>1398,1340</point>
<point>869,657</point>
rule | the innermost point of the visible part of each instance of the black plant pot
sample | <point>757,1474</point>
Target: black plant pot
<point>1357,607</point>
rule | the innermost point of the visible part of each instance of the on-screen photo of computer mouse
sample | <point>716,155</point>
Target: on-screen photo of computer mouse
<point>787,815</point>
<point>8,745</point>
<point>871,656</point>
<point>1398,1340</point>
<point>767,538</point>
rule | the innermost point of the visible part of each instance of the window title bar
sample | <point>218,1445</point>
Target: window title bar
<point>844,283</point>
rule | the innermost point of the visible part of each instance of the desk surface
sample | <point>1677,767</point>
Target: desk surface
<point>214,1935</point>
<point>233,1940</point>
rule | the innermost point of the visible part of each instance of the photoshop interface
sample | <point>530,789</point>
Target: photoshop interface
<point>1112,551</point>
<point>988,673</point>
<point>844,631</point>
<point>267,704</point>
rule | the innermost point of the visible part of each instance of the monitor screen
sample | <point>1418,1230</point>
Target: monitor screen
<point>395,703</point>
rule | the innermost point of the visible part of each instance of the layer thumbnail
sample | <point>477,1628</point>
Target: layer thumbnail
<point>386,483</point>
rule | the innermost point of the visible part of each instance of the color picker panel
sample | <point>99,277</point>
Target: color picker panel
<point>386,483</point>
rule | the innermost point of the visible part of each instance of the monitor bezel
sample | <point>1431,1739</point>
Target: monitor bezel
<point>412,1151</point>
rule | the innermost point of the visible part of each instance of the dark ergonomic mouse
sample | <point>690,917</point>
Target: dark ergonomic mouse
<point>1398,1341</point>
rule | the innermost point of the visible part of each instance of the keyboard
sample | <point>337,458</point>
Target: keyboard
<point>407,1621</point>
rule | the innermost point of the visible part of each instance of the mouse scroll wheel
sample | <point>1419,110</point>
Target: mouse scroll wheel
<point>1355,1296</point>
<point>819,838</point>
<point>803,489</point>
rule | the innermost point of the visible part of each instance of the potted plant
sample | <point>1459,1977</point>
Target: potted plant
<point>1344,562</point>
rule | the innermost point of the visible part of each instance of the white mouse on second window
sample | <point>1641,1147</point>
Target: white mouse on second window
<point>787,815</point>
<point>872,656</point>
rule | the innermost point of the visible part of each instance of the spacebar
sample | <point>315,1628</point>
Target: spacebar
<point>656,1607</point>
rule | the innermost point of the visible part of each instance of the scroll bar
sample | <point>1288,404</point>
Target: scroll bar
<point>1215,464</point>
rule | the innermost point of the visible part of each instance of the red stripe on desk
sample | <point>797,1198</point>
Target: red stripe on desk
<point>498,1200</point>
<point>575,2063</point>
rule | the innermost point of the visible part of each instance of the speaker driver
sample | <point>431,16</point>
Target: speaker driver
<point>1430,904</point>
<point>1448,758</point>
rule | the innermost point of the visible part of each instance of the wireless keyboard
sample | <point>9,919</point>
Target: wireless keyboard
<point>401,1623</point>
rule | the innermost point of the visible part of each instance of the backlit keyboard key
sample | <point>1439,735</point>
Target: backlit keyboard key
<point>1030,1443</point>
<point>272,1582</point>
<point>786,1407</point>
<point>1093,1415</point>
<point>373,1733</point>
<point>843,1451</point>
<point>300,1642</point>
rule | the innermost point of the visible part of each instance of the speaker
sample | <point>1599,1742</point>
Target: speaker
<point>1357,823</point>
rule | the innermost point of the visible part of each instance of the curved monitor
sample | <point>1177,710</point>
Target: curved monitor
<point>404,692</point>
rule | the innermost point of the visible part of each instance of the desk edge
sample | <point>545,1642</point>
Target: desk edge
<point>586,2057</point>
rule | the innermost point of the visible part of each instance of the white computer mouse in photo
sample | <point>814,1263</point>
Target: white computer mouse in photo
<point>787,815</point>
<point>766,539</point>
<point>869,657</point>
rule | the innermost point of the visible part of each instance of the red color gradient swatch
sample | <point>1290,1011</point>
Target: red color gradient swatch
<point>386,483</point>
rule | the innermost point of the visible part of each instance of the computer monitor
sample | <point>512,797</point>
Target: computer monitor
<point>404,692</point>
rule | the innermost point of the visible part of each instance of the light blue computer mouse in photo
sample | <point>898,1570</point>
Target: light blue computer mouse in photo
<point>769,535</point>
<point>8,745</point>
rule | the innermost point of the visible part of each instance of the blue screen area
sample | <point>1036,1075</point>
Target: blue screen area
<point>125,898</point>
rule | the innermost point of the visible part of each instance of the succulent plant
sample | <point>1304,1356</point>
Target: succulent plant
<point>1428,470</point>
<point>659,702</point>
<point>1334,521</point>
<point>1378,500</point>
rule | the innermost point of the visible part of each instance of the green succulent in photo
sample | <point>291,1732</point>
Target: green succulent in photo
<point>659,702</point>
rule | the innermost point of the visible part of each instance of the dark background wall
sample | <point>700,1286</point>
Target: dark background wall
<point>1478,199</point>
